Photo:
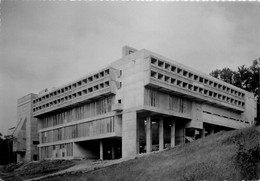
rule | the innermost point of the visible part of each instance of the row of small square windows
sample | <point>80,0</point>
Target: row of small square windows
<point>74,85</point>
<point>193,88</point>
<point>192,76</point>
<point>74,95</point>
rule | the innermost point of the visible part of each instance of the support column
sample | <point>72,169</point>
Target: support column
<point>203,132</point>
<point>138,136</point>
<point>161,137</point>
<point>148,134</point>
<point>113,150</point>
<point>129,134</point>
<point>101,150</point>
<point>173,134</point>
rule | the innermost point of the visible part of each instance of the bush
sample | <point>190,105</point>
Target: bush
<point>248,160</point>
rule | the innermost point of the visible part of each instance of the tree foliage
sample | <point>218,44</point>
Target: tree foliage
<point>244,77</point>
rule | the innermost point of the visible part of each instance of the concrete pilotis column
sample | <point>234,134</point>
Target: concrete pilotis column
<point>173,134</point>
<point>101,150</point>
<point>148,135</point>
<point>138,136</point>
<point>203,132</point>
<point>113,151</point>
<point>161,137</point>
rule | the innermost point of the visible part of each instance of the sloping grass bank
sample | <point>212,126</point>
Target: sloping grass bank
<point>223,156</point>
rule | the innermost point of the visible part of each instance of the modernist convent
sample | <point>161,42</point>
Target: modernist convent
<point>140,103</point>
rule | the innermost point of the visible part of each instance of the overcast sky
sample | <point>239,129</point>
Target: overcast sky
<point>45,44</point>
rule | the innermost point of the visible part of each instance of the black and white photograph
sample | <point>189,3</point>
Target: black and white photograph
<point>129,90</point>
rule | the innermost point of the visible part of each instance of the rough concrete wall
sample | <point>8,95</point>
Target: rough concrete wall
<point>250,108</point>
<point>132,95</point>
<point>129,134</point>
<point>24,110</point>
<point>196,112</point>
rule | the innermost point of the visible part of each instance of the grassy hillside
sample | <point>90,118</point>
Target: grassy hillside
<point>233,155</point>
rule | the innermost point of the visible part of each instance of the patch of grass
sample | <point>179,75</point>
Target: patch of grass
<point>211,158</point>
<point>36,169</point>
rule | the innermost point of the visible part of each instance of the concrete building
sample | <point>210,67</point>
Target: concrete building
<point>139,103</point>
<point>25,135</point>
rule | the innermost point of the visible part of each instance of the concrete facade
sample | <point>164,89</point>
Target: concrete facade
<point>25,134</point>
<point>140,103</point>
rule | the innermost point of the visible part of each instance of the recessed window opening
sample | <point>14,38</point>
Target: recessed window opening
<point>96,76</point>
<point>173,68</point>
<point>201,80</point>
<point>196,77</point>
<point>173,81</point>
<point>179,71</point>
<point>190,75</point>
<point>167,66</point>
<point>166,79</point>
<point>210,83</point>
<point>200,90</point>
<point>185,73</point>
<point>228,99</point>
<point>179,83</point>
<point>90,79</point>
<point>153,60</point>
<point>160,63</point>
<point>90,89</point>
<point>228,89</point>
<point>95,87</point>
<point>84,91</point>
<point>153,74</point>
<point>107,72</point>
<point>106,83</point>
<point>190,86</point>
<point>215,94</point>
<point>184,85</point>
<point>160,76</point>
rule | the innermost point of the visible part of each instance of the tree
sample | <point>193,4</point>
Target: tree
<point>243,77</point>
<point>247,78</point>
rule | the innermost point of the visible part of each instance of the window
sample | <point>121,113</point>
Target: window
<point>153,60</point>
<point>160,63</point>
<point>35,142</point>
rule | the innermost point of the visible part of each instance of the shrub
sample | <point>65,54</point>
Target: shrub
<point>248,160</point>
